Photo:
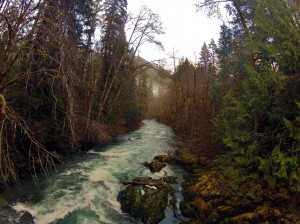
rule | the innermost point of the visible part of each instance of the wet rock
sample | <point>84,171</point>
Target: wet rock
<point>26,218</point>
<point>154,166</point>
<point>165,159</point>
<point>145,164</point>
<point>145,203</point>
<point>7,213</point>
<point>170,179</point>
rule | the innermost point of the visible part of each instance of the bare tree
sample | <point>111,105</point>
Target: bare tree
<point>18,25</point>
<point>142,28</point>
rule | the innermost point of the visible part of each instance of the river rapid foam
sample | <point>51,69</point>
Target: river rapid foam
<point>86,191</point>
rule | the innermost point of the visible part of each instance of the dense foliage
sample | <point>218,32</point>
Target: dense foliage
<point>242,97</point>
<point>258,122</point>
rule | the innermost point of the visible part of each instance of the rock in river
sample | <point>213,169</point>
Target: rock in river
<point>9,215</point>
<point>154,166</point>
<point>166,159</point>
<point>26,218</point>
<point>145,203</point>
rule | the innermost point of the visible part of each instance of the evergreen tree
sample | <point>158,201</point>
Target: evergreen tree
<point>113,34</point>
<point>213,55</point>
<point>256,115</point>
<point>224,51</point>
<point>206,68</point>
<point>114,48</point>
<point>205,57</point>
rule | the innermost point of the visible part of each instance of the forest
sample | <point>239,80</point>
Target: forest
<point>63,88</point>
<point>71,77</point>
<point>238,108</point>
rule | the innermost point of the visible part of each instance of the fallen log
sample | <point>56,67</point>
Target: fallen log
<point>150,183</point>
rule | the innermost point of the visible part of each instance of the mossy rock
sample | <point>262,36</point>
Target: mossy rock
<point>187,209</point>
<point>170,179</point>
<point>26,218</point>
<point>130,200</point>
<point>202,207</point>
<point>154,166</point>
<point>165,159</point>
<point>144,203</point>
<point>249,217</point>
<point>153,205</point>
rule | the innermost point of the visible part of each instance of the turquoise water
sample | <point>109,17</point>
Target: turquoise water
<point>86,191</point>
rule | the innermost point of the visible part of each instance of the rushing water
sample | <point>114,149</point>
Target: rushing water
<point>86,191</point>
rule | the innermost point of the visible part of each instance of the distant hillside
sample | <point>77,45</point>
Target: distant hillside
<point>156,75</point>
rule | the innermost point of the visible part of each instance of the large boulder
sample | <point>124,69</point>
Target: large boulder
<point>154,166</point>
<point>166,159</point>
<point>145,203</point>
<point>26,218</point>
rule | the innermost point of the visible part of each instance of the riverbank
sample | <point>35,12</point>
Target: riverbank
<point>217,194</point>
<point>89,187</point>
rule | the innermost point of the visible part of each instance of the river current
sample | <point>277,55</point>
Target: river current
<point>86,191</point>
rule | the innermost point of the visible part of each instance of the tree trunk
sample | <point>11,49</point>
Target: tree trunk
<point>150,183</point>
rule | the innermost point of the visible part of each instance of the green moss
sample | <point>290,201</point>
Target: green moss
<point>145,204</point>
<point>276,213</point>
<point>263,211</point>
<point>243,218</point>
<point>201,206</point>
<point>187,209</point>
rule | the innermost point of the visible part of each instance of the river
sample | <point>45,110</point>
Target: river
<point>86,191</point>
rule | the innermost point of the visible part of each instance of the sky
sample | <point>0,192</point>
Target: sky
<point>185,30</point>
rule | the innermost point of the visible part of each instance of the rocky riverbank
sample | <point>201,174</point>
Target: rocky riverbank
<point>210,196</point>
<point>8,215</point>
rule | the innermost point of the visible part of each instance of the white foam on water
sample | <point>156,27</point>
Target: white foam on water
<point>99,175</point>
<point>73,171</point>
<point>93,152</point>
<point>116,154</point>
<point>48,210</point>
<point>101,201</point>
<point>53,211</point>
<point>93,185</point>
<point>84,220</point>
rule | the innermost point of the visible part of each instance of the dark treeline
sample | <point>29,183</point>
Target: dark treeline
<point>68,77</point>
<point>239,104</point>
